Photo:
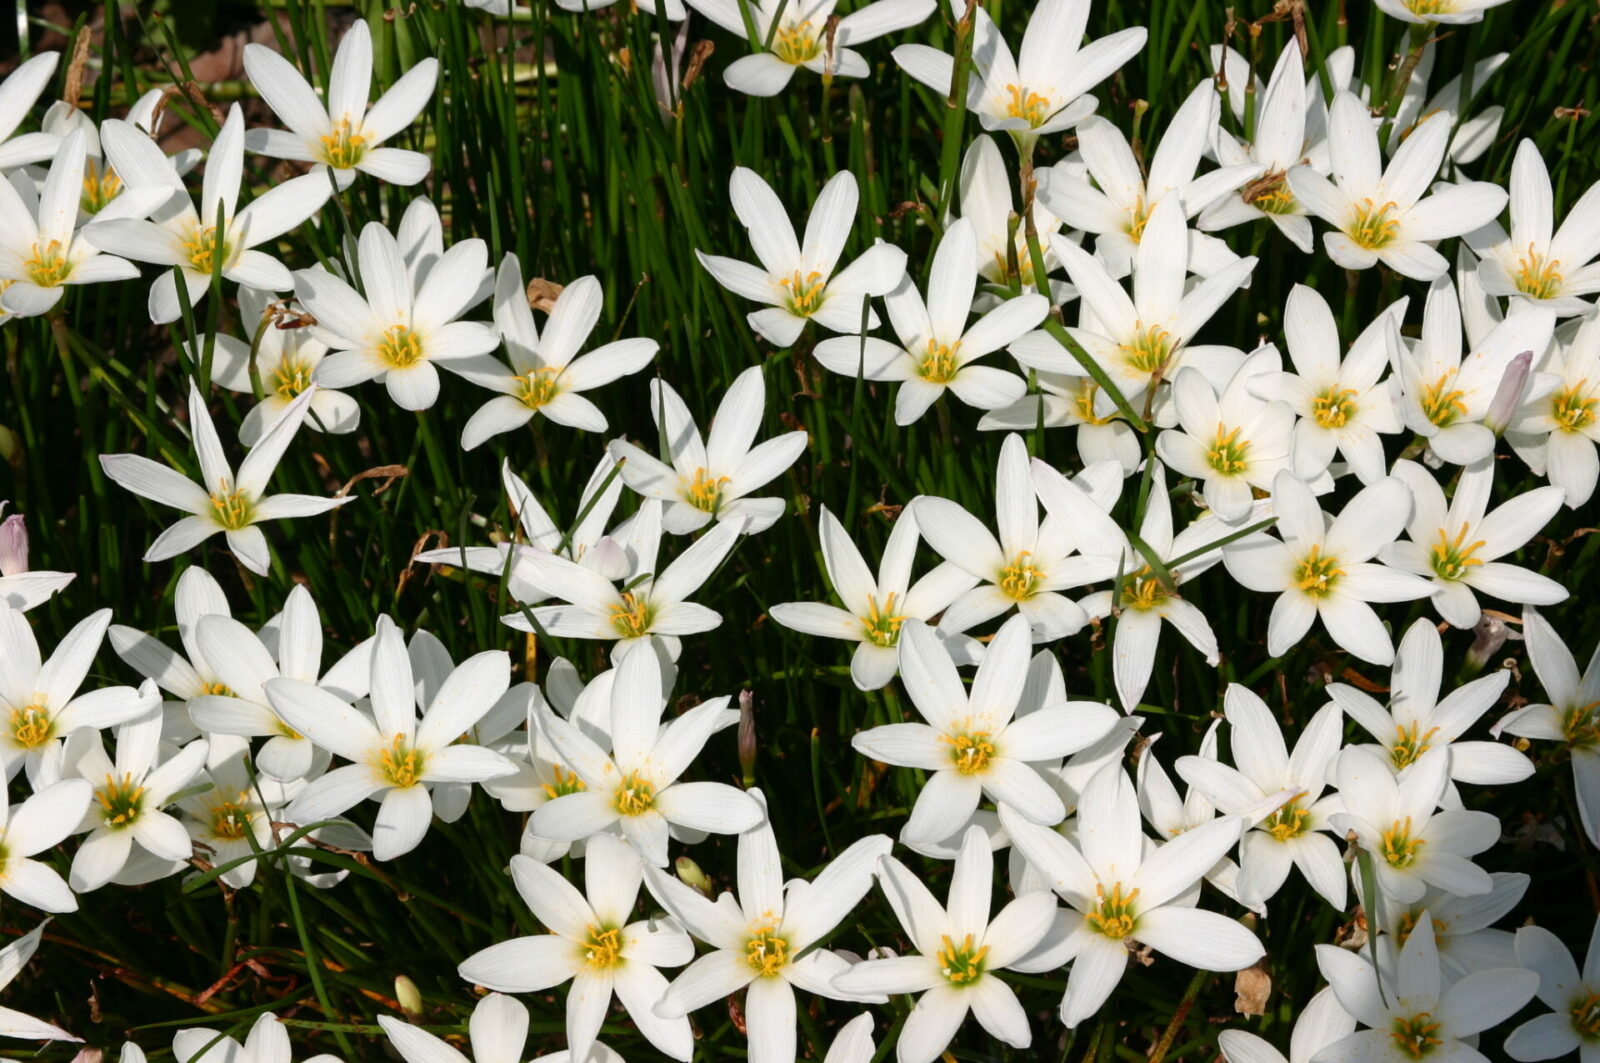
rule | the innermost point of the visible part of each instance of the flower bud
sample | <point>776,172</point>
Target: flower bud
<point>409,996</point>
<point>690,875</point>
<point>747,737</point>
<point>1490,634</point>
<point>13,546</point>
<point>1508,396</point>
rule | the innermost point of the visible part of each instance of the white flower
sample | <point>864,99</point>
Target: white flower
<point>41,248</point>
<point>875,609</point>
<point>588,543</point>
<point>1571,716</point>
<point>986,202</point>
<point>937,348</point>
<point>1573,1024</point>
<point>853,1042</point>
<point>1432,12</point>
<point>547,375</point>
<point>498,1032</point>
<point>673,9</point>
<point>1532,263</point>
<point>343,134</point>
<point>1385,214</point>
<point>651,607</point>
<point>1132,339</point>
<point>41,699</point>
<point>1412,846</point>
<point>287,358</point>
<point>635,790</point>
<point>244,664</point>
<point>1461,925</point>
<point>1457,549</point>
<point>1120,894</point>
<point>1170,815</point>
<point>1557,435</point>
<point>1410,1013</point>
<point>763,941</point>
<point>15,956</point>
<point>1230,442</point>
<point>796,281</point>
<point>129,795</point>
<point>394,758</point>
<point>232,819</point>
<point>18,93</point>
<point>267,1042</point>
<point>1295,833</point>
<point>592,942</point>
<point>1474,134</point>
<point>1278,146</point>
<point>973,744</point>
<point>405,327</point>
<point>1044,89</point>
<point>21,588</point>
<point>39,823</point>
<point>959,947</point>
<point>709,479</point>
<point>177,235</point>
<point>1145,600</point>
<point>1117,211</point>
<point>1446,396</point>
<point>1320,1023</point>
<point>1029,563</point>
<point>799,35</point>
<point>1323,568</point>
<point>1342,406</point>
<point>221,502</point>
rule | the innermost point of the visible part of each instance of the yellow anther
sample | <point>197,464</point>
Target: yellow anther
<point>47,266</point>
<point>796,44</point>
<point>1288,822</point>
<point>1442,404</point>
<point>970,751</point>
<point>100,187</point>
<point>803,294</point>
<point>1138,218</point>
<point>1020,579</point>
<point>1028,106</point>
<point>631,617</point>
<point>343,148</point>
<point>603,949</point>
<point>1334,407</point>
<point>1113,913</point>
<point>704,492</point>
<point>1371,227</point>
<point>1317,575</point>
<point>31,726</point>
<point>961,964</point>
<point>1572,409</point>
<point>1270,193</point>
<point>400,764</point>
<point>1452,557</point>
<point>1228,454</point>
<point>882,626</point>
<point>1410,742</point>
<point>1538,277</point>
<point>121,801</point>
<point>939,364</point>
<point>291,378</point>
<point>1398,847</point>
<point>1144,590</point>
<point>1149,349</point>
<point>231,507</point>
<point>200,248</point>
<point>636,795</point>
<point>565,782</point>
<point>766,951</point>
<point>1580,726</point>
<point>1416,1035</point>
<point>537,388</point>
<point>230,819</point>
<point>400,347</point>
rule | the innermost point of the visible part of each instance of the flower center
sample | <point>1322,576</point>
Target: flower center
<point>1317,575</point>
<point>1572,410</point>
<point>1371,227</point>
<point>939,365</point>
<point>1270,193</point>
<point>1579,726</point>
<point>796,44</point>
<point>631,617</point>
<point>1430,7</point>
<point>1452,557</point>
<point>1288,822</point>
<point>31,726</point>
<point>564,782</point>
<point>1138,217</point>
<point>1334,407</point>
<point>803,294</point>
<point>291,378</point>
<point>200,248</point>
<point>636,795</point>
<point>538,387</point>
<point>232,508</point>
<point>230,819</point>
<point>219,688</point>
<point>400,764</point>
<point>1418,1034</point>
<point>100,187</point>
<point>1028,106</point>
<point>970,751</point>
<point>704,492</point>
<point>48,265</point>
<point>1407,922</point>
<point>1083,402</point>
<point>1537,276</point>
<point>1020,579</point>
<point>1143,590</point>
<point>961,964</point>
<point>1113,913</point>
<point>1586,1016</point>
<point>343,147</point>
<point>400,347</point>
<point>882,627</point>
<point>766,951</point>
<point>121,801</point>
<point>1409,744</point>
<point>1399,847</point>
<point>1442,404</point>
<point>603,949</point>
<point>1229,454</point>
<point>1148,350</point>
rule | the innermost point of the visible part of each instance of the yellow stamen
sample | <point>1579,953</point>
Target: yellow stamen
<point>1371,227</point>
<point>400,764</point>
<point>1585,1014</point>
<point>537,388</point>
<point>1229,454</point>
<point>100,187</point>
<point>882,627</point>
<point>47,266</point>
<point>1083,402</point>
<point>1334,407</point>
<point>1580,726</point>
<point>939,365</point>
<point>1317,575</point>
<point>1417,1035</point>
<point>961,964</point>
<point>704,492</point>
<point>1138,218</point>
<point>232,507</point>
<point>230,819</point>
<point>1399,848</point>
<point>796,44</point>
<point>1288,822</point>
<point>1409,744</point>
<point>400,347</point>
<point>636,795</point>
<point>1020,579</point>
<point>200,248</point>
<point>631,617</point>
<point>565,783</point>
<point>1452,557</point>
<point>1113,914</point>
<point>1149,349</point>
<point>121,801</point>
<point>1572,409</point>
<point>343,147</point>
<point>31,726</point>
<point>1144,590</point>
<point>1441,403</point>
<point>1538,277</point>
<point>803,295</point>
<point>1028,106</point>
<point>603,949</point>
<point>218,688</point>
<point>765,950</point>
<point>291,378</point>
<point>971,751</point>
<point>1270,193</point>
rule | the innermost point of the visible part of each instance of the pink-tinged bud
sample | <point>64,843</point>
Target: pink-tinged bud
<point>747,737</point>
<point>1490,634</point>
<point>89,1055</point>
<point>408,996</point>
<point>1508,396</point>
<point>13,546</point>
<point>690,875</point>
